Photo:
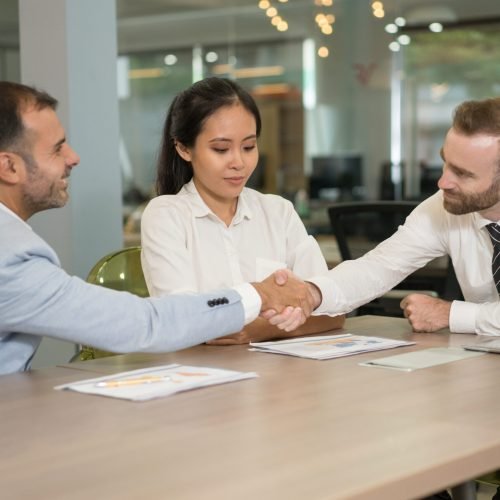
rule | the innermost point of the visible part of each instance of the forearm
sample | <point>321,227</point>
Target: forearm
<point>260,330</point>
<point>317,324</point>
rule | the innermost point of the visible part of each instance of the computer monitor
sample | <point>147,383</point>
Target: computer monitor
<point>340,174</point>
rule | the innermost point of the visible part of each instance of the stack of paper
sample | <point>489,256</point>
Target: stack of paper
<point>329,346</point>
<point>155,382</point>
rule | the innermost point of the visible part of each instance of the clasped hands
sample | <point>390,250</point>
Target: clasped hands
<point>287,301</point>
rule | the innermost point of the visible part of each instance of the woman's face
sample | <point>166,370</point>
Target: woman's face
<point>224,155</point>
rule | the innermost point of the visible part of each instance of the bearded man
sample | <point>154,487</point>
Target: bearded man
<point>460,220</point>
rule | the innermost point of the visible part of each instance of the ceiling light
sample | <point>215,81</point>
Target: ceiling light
<point>170,59</point>
<point>404,39</point>
<point>323,51</point>
<point>436,27</point>
<point>282,26</point>
<point>211,57</point>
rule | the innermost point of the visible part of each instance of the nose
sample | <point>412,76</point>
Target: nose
<point>72,158</point>
<point>237,162</point>
<point>445,181</point>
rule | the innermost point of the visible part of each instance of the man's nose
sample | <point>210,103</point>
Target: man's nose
<point>445,181</point>
<point>72,159</point>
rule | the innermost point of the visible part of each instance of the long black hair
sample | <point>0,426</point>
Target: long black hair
<point>185,119</point>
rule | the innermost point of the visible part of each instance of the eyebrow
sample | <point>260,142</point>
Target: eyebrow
<point>58,144</point>
<point>225,139</point>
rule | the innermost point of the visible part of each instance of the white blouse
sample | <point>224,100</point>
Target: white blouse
<point>187,248</point>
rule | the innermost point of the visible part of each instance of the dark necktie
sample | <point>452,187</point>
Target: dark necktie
<point>494,230</point>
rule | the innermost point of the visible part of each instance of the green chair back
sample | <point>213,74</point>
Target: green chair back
<point>119,270</point>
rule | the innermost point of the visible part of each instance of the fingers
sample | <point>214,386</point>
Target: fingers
<point>425,313</point>
<point>281,277</point>
<point>268,314</point>
<point>289,319</point>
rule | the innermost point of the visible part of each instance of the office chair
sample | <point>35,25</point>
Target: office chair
<point>119,270</point>
<point>360,226</point>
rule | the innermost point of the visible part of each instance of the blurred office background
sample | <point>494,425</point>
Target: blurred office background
<point>356,95</point>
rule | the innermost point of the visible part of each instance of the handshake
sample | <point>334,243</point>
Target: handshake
<point>287,301</point>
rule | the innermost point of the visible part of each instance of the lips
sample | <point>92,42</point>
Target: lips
<point>235,180</point>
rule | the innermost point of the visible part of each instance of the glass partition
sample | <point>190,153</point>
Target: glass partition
<point>441,71</point>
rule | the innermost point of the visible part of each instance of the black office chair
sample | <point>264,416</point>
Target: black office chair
<point>360,226</point>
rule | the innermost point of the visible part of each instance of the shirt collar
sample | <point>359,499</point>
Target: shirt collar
<point>200,209</point>
<point>481,222</point>
<point>13,214</point>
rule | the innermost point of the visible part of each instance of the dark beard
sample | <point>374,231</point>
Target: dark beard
<point>468,203</point>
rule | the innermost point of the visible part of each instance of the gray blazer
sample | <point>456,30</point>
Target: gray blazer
<point>37,298</point>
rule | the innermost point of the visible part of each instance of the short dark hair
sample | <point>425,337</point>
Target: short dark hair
<point>185,119</point>
<point>478,117</point>
<point>14,99</point>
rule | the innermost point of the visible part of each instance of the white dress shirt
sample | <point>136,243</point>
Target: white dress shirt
<point>187,248</point>
<point>429,232</point>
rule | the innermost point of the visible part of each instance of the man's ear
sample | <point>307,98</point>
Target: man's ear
<point>10,167</point>
<point>182,151</point>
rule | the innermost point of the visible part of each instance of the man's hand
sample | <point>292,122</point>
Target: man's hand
<point>426,314</point>
<point>291,318</point>
<point>282,289</point>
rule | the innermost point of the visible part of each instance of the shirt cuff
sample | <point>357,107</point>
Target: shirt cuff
<point>463,317</point>
<point>327,289</point>
<point>251,301</point>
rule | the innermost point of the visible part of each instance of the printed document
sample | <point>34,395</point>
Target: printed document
<point>328,346</point>
<point>155,382</point>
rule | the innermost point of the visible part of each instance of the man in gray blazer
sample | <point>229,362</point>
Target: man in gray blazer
<point>38,298</point>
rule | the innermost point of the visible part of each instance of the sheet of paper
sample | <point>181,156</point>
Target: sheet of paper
<point>155,382</point>
<point>328,346</point>
<point>422,359</point>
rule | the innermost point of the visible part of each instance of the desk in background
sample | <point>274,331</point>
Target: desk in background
<point>303,430</point>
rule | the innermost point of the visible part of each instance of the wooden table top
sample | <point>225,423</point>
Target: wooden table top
<point>303,429</point>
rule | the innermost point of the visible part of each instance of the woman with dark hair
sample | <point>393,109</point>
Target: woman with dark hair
<point>206,229</point>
